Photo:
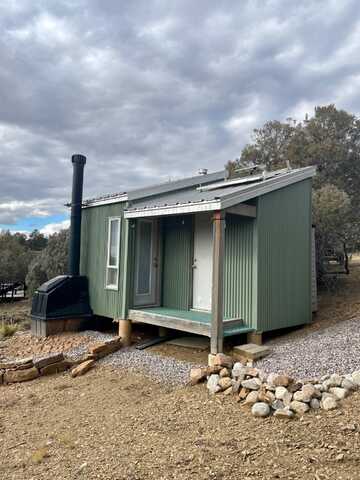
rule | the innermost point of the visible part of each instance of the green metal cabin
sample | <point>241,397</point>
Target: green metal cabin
<point>205,255</point>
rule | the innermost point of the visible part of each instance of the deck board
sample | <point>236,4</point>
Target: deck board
<point>184,320</point>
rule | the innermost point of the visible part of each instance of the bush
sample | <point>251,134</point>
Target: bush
<point>50,262</point>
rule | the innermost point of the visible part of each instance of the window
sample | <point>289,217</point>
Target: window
<point>112,265</point>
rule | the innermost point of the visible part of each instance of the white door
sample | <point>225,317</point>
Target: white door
<point>146,263</point>
<point>203,251</point>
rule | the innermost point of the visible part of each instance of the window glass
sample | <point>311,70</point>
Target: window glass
<point>114,243</point>
<point>144,267</point>
<point>112,268</point>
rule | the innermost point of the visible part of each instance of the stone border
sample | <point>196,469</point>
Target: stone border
<point>273,394</point>
<point>25,369</point>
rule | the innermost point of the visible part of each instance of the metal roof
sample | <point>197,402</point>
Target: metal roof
<point>191,199</point>
<point>166,187</point>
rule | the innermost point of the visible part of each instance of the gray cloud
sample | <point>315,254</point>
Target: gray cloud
<point>153,89</point>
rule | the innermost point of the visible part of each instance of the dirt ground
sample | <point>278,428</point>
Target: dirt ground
<point>112,424</point>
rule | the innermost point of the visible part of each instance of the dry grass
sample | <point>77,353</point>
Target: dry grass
<point>39,455</point>
<point>8,330</point>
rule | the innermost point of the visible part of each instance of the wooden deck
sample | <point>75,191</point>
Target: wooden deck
<point>186,321</point>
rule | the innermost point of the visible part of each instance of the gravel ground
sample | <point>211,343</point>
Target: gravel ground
<point>335,349</point>
<point>160,368</point>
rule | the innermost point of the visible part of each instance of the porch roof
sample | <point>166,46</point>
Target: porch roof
<point>222,196</point>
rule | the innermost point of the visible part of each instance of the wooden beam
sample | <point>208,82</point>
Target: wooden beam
<point>243,209</point>
<point>217,329</point>
<point>233,322</point>
<point>168,321</point>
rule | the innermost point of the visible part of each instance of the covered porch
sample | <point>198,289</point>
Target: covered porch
<point>192,266</point>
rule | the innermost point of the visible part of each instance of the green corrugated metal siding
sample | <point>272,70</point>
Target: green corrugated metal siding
<point>177,261</point>
<point>94,236</point>
<point>238,269</point>
<point>284,257</point>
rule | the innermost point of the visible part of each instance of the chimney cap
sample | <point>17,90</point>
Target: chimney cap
<point>78,158</point>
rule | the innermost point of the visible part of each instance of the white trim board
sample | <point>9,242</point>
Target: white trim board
<point>174,209</point>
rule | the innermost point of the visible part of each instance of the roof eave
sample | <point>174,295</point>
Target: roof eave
<point>108,201</point>
<point>180,209</point>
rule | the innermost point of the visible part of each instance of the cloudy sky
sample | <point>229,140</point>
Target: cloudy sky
<point>154,89</point>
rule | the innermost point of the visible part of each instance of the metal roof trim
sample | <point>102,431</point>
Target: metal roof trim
<point>97,202</point>
<point>194,207</point>
<point>267,186</point>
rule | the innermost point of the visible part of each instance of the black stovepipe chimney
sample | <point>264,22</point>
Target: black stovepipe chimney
<point>78,162</point>
<point>62,303</point>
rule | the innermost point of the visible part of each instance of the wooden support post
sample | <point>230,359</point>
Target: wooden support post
<point>163,332</point>
<point>217,334</point>
<point>125,332</point>
<point>254,337</point>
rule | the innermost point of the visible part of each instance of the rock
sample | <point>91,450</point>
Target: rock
<point>251,398</point>
<point>278,380</point>
<point>355,377</point>
<point>269,387</point>
<point>266,396</point>
<point>212,369</point>
<point>328,403</point>
<point>224,383</point>
<point>277,405</point>
<point>238,371</point>
<point>280,392</point>
<point>314,404</point>
<point>224,372</point>
<point>82,368</point>
<point>309,390</point>
<point>213,383</point>
<point>2,376</point>
<point>327,395</point>
<point>295,387</point>
<point>319,387</point>
<point>228,391</point>
<point>340,457</point>
<point>348,383</point>
<point>223,360</point>
<point>252,371</point>
<point>105,348</point>
<point>236,385</point>
<point>56,367</point>
<point>334,380</point>
<point>19,364</point>
<point>251,384</point>
<point>283,413</point>
<point>197,375</point>
<point>13,376</point>
<point>48,360</point>
<point>243,393</point>
<point>338,392</point>
<point>305,394</point>
<point>260,409</point>
<point>299,407</point>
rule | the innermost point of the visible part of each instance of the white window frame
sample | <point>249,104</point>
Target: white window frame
<point>108,266</point>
